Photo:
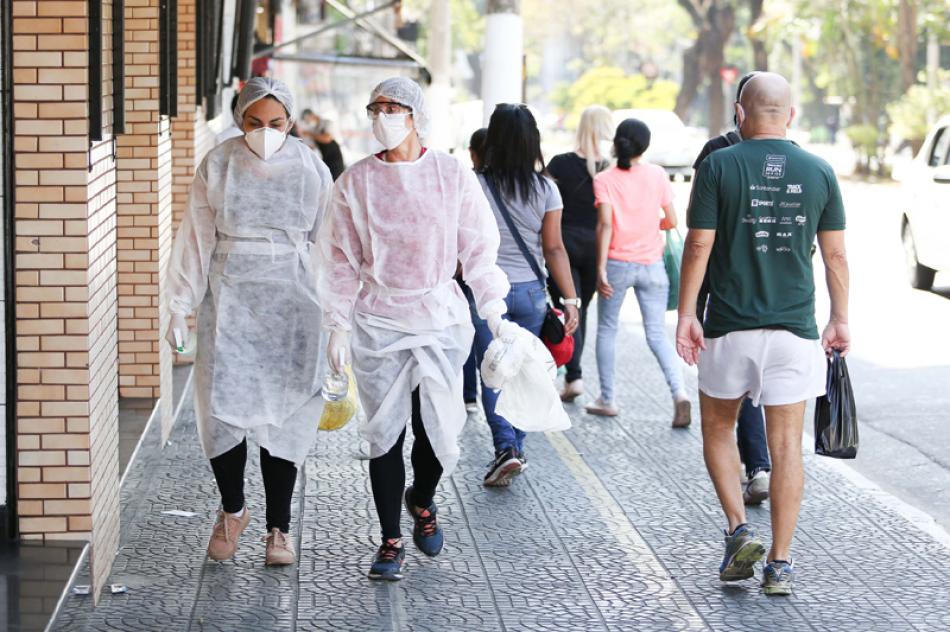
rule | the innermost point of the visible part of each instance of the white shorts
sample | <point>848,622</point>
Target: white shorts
<point>774,367</point>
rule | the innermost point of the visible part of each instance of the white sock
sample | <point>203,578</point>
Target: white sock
<point>240,513</point>
<point>681,396</point>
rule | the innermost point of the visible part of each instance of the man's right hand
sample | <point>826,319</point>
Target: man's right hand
<point>689,339</point>
<point>836,336</point>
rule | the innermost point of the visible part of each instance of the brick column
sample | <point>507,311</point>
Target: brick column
<point>67,436</point>
<point>144,212</point>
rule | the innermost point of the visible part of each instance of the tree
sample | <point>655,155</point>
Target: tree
<point>756,34</point>
<point>907,41</point>
<point>610,86</point>
<point>715,21</point>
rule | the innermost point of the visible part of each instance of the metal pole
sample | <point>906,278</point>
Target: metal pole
<point>268,52</point>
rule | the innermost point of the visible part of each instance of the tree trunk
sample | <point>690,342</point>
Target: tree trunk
<point>907,42</point>
<point>691,80</point>
<point>503,6</point>
<point>703,60</point>
<point>722,19</point>
<point>760,55</point>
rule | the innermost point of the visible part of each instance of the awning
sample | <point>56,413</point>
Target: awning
<point>405,56</point>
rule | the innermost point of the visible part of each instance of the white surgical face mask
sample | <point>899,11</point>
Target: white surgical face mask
<point>265,141</point>
<point>390,129</point>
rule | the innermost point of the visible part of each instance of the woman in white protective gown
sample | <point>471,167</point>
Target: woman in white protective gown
<point>242,258</point>
<point>399,224</point>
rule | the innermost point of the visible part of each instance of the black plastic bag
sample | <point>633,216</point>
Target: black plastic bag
<point>836,419</point>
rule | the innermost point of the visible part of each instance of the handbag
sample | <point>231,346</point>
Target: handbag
<point>553,334</point>
<point>672,261</point>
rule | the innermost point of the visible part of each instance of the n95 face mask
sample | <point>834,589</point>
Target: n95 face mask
<point>264,141</point>
<point>390,129</point>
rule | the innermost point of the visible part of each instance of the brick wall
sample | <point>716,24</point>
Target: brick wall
<point>144,198</point>
<point>65,286</point>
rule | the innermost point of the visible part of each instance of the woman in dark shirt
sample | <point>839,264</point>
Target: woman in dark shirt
<point>574,173</point>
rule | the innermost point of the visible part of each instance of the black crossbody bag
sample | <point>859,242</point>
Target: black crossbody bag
<point>552,331</point>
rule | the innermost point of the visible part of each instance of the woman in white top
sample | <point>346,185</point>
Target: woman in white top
<point>399,224</point>
<point>242,258</point>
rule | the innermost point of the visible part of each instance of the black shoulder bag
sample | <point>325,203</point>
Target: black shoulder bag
<point>552,331</point>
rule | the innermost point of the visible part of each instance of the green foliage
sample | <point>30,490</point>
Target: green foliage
<point>612,87</point>
<point>909,113</point>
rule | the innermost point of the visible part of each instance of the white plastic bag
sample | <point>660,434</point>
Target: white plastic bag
<point>525,372</point>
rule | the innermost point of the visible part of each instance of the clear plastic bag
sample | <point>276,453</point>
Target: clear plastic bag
<point>337,414</point>
<point>836,417</point>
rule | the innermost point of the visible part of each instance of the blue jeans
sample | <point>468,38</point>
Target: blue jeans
<point>527,304</point>
<point>750,433</point>
<point>651,286</point>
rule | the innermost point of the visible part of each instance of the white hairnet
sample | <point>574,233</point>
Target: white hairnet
<point>407,92</point>
<point>256,89</point>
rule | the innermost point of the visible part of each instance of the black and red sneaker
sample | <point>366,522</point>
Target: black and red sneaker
<point>426,532</point>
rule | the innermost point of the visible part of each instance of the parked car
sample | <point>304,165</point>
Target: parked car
<point>672,145</point>
<point>925,225</point>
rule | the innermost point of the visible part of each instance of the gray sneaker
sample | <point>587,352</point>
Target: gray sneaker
<point>743,550</point>
<point>778,577</point>
<point>756,488</point>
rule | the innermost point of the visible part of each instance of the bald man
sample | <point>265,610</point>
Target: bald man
<point>755,210</point>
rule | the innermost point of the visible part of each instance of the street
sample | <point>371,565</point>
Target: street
<point>900,360</point>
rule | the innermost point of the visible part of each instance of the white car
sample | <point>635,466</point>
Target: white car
<point>925,225</point>
<point>672,146</point>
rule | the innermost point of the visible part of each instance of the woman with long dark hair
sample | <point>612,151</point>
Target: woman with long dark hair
<point>630,198</point>
<point>520,195</point>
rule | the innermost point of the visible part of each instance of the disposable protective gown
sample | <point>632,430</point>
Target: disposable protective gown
<point>242,256</point>
<point>394,235</point>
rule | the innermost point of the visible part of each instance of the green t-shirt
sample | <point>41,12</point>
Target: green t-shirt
<point>766,199</point>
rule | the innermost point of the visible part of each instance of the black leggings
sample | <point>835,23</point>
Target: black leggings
<point>279,478</point>
<point>581,246</point>
<point>387,474</point>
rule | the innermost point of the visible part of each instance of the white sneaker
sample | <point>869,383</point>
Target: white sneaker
<point>756,488</point>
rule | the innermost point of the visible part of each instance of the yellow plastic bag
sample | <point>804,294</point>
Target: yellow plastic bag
<point>338,414</point>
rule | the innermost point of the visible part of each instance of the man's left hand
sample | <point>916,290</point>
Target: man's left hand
<point>836,336</point>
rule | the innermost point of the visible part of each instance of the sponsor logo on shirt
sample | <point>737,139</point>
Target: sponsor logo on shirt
<point>800,220</point>
<point>790,204</point>
<point>762,248</point>
<point>762,234</point>
<point>774,168</point>
<point>756,202</point>
<point>783,249</point>
<point>793,188</point>
<point>767,220</point>
<point>764,187</point>
<point>786,221</point>
<point>748,219</point>
<point>783,235</point>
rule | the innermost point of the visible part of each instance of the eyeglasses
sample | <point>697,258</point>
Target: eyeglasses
<point>387,107</point>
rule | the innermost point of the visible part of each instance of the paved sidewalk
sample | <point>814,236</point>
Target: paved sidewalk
<point>614,526</point>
